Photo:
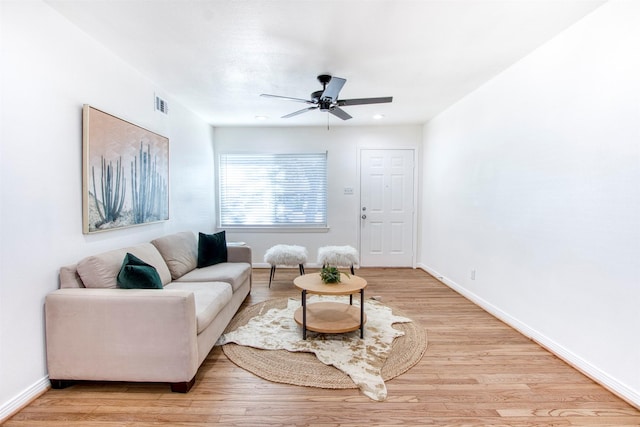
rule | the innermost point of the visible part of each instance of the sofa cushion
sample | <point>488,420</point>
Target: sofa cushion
<point>69,277</point>
<point>212,249</point>
<point>180,252</point>
<point>210,299</point>
<point>137,274</point>
<point>234,273</point>
<point>101,271</point>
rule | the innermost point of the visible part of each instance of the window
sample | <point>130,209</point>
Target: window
<point>273,190</point>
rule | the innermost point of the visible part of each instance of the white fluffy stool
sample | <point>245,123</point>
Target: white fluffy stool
<point>288,255</point>
<point>338,256</point>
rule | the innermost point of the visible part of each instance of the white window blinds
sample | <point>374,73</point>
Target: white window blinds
<point>273,190</point>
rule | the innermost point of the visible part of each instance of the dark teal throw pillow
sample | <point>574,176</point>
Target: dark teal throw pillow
<point>212,249</point>
<point>137,274</point>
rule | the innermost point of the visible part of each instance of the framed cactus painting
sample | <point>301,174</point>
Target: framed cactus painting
<point>125,173</point>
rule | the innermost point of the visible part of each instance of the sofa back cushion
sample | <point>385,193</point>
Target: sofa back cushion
<point>69,277</point>
<point>180,252</point>
<point>101,271</point>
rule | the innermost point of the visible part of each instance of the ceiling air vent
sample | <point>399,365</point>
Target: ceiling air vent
<point>161,105</point>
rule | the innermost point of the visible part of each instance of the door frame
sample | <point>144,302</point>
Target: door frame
<point>416,210</point>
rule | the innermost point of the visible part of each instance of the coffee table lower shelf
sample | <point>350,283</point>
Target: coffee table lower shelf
<point>331,317</point>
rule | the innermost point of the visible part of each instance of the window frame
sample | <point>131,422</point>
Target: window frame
<point>284,227</point>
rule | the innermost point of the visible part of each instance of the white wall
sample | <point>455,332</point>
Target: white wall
<point>343,145</point>
<point>533,181</point>
<point>49,69</point>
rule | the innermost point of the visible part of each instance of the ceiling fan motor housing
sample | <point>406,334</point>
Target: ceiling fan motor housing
<point>324,104</point>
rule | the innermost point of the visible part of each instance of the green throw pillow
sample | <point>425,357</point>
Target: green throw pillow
<point>137,274</point>
<point>212,249</point>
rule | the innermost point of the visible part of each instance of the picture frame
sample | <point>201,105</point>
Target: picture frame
<point>125,173</point>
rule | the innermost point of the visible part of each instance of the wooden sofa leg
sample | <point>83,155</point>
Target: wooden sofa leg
<point>60,384</point>
<point>183,387</point>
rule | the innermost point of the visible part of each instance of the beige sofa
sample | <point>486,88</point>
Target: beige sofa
<point>96,331</point>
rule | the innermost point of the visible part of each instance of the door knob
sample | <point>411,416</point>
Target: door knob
<point>363,216</point>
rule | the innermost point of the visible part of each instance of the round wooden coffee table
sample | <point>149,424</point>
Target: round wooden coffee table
<point>330,317</point>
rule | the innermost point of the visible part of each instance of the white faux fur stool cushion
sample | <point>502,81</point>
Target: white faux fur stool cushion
<point>338,256</point>
<point>286,255</point>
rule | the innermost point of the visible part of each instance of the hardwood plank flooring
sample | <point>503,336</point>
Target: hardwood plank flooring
<point>476,371</point>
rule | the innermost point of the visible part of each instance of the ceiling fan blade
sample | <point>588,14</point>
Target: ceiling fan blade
<point>295,113</point>
<point>288,98</point>
<point>362,101</point>
<point>338,112</point>
<point>333,88</point>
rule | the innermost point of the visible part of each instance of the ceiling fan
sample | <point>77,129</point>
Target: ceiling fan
<point>327,98</point>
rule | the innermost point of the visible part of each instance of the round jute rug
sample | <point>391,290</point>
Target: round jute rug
<point>305,369</point>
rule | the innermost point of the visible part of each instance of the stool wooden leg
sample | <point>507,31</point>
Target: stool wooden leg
<point>352,272</point>
<point>273,273</point>
<point>301,266</point>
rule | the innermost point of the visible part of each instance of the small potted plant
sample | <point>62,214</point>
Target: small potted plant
<point>330,274</point>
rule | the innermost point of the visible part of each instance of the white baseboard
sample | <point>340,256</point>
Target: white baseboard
<point>620,389</point>
<point>260,265</point>
<point>266,265</point>
<point>10,408</point>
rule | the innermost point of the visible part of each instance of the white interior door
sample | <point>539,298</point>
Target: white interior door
<point>386,208</point>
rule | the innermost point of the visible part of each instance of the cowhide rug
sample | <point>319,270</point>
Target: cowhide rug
<point>360,359</point>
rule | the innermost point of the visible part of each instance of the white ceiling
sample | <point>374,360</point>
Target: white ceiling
<point>217,56</point>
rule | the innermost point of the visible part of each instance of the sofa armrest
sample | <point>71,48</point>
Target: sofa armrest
<point>121,335</point>
<point>239,254</point>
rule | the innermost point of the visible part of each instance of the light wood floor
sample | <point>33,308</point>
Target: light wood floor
<point>476,372</point>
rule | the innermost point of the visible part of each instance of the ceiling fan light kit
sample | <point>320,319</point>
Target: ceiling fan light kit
<point>327,99</point>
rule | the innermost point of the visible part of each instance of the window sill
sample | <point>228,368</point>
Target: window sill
<point>276,229</point>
